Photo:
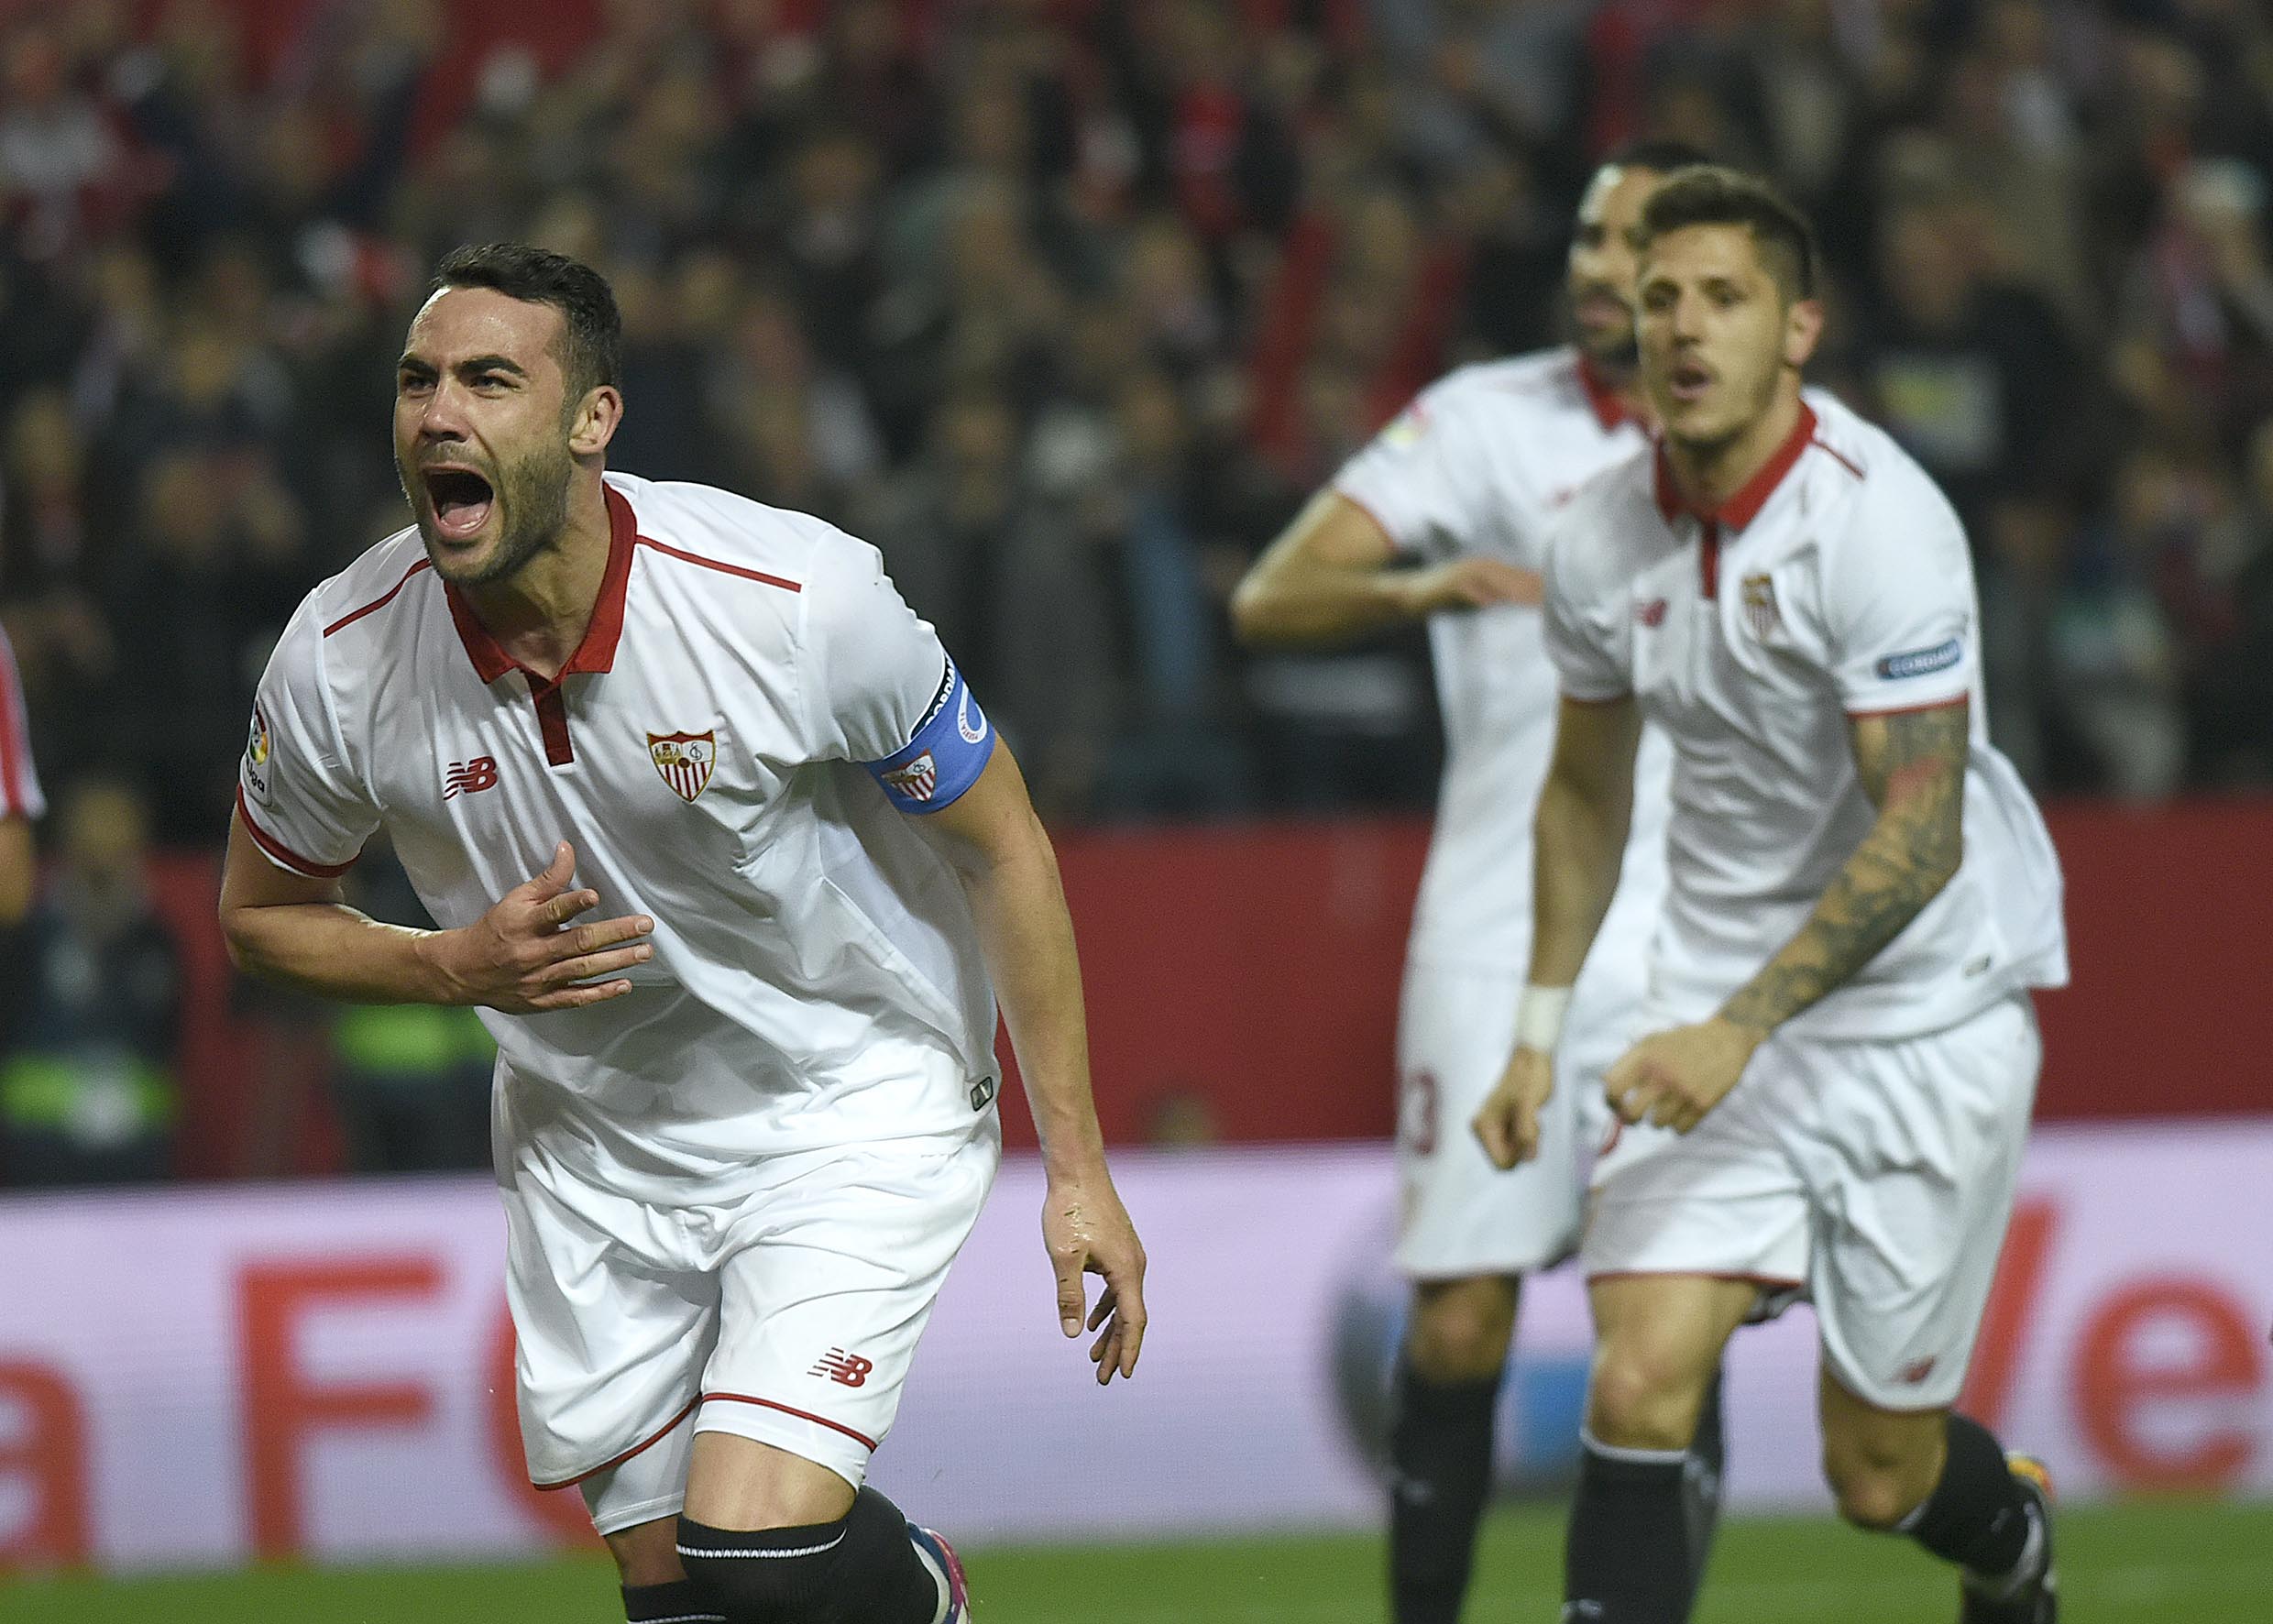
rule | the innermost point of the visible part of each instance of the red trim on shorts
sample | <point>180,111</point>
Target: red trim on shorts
<point>283,854</point>
<point>819,1420</point>
<point>352,616</point>
<point>1765,1282</point>
<point>1917,709</point>
<point>731,569</point>
<point>645,1445</point>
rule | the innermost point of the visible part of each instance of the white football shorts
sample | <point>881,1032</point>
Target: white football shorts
<point>1458,1215</point>
<point>790,1315</point>
<point>1874,1176</point>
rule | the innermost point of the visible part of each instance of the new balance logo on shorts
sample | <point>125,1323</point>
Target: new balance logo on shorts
<point>837,1365</point>
<point>465,778</point>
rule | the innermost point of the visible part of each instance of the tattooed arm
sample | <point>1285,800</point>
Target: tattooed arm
<point>1912,765</point>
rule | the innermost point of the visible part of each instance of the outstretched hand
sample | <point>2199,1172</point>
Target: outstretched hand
<point>524,958</point>
<point>1088,1232</point>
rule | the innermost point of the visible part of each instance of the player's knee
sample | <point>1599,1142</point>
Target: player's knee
<point>647,1553</point>
<point>1876,1487</point>
<point>755,1582</point>
<point>1641,1397</point>
<point>1460,1329</point>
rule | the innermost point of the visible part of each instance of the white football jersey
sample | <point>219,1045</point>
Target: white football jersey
<point>724,752</point>
<point>1481,462</point>
<point>19,784</point>
<point>1837,583</point>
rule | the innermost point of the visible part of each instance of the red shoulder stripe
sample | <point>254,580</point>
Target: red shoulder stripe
<point>731,569</point>
<point>350,618</point>
<point>1839,457</point>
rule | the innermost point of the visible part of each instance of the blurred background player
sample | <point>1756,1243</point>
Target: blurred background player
<point>733,1194</point>
<point>21,800</point>
<point>1444,517</point>
<point>1860,896</point>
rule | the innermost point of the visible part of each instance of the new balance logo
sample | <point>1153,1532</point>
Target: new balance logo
<point>849,1370</point>
<point>465,778</point>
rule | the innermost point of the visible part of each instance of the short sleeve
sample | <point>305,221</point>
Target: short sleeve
<point>1898,609</point>
<point>1412,478</point>
<point>1587,644</point>
<point>308,812</point>
<point>879,687</point>
<point>19,782</point>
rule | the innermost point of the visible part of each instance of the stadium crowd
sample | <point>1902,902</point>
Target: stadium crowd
<point>1066,304</point>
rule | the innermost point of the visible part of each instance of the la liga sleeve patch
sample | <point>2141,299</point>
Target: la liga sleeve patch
<point>944,759</point>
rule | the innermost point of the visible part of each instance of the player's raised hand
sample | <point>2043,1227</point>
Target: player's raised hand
<point>523,956</point>
<point>1087,1231</point>
<point>1473,582</point>
<point>1507,1125</point>
<point>1672,1079</point>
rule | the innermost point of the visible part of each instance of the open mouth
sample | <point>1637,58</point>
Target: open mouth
<point>1597,310</point>
<point>1689,381</point>
<point>461,499</point>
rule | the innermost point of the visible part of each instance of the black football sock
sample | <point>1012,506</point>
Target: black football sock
<point>1978,1517</point>
<point>1441,1450</point>
<point>864,1570</point>
<point>1626,1559</point>
<point>676,1603</point>
<point>1700,1483</point>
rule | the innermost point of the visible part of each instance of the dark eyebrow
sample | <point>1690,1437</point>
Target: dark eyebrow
<point>492,363</point>
<point>411,363</point>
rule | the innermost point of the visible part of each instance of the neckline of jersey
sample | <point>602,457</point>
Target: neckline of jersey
<point>1742,505</point>
<point>597,652</point>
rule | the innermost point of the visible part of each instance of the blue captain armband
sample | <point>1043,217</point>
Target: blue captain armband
<point>932,769</point>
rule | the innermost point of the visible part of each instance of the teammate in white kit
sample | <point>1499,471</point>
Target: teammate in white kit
<point>746,1119</point>
<point>21,800</point>
<point>1860,896</point>
<point>1464,486</point>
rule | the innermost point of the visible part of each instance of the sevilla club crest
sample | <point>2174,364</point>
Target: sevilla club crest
<point>918,780</point>
<point>685,760</point>
<point>1760,607</point>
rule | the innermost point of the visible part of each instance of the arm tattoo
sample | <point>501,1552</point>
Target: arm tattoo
<point>1913,768</point>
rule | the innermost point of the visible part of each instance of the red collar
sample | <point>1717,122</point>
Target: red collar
<point>1743,506</point>
<point>597,651</point>
<point>1610,406</point>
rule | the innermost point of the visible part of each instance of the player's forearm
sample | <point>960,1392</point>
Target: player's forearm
<point>1579,845</point>
<point>332,951</point>
<point>1026,936</point>
<point>1320,603</point>
<point>1910,854</point>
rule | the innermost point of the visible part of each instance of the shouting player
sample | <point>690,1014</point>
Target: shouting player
<point>1860,896</point>
<point>1446,517</point>
<point>735,865</point>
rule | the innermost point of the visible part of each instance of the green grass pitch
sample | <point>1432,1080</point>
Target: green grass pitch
<point>2138,1563</point>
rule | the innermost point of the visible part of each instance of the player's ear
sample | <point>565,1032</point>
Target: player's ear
<point>1803,330</point>
<point>593,424</point>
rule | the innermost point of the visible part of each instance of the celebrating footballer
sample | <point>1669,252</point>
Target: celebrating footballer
<point>735,868</point>
<point>1833,1070</point>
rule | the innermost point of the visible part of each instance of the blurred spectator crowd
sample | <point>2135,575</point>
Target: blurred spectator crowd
<point>1068,305</point>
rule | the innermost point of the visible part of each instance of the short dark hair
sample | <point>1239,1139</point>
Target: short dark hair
<point>592,329</point>
<point>1657,155</point>
<point>1711,195</point>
